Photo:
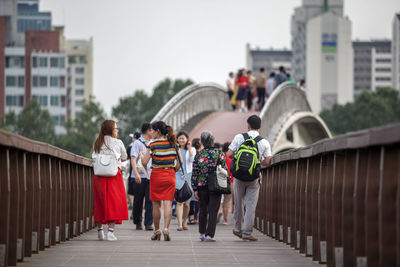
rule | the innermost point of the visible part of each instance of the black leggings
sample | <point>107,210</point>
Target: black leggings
<point>209,206</point>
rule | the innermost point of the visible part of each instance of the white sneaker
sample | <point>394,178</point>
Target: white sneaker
<point>209,239</point>
<point>100,234</point>
<point>202,238</point>
<point>111,236</point>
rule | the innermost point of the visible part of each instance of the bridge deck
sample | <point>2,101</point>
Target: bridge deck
<point>224,125</point>
<point>134,248</point>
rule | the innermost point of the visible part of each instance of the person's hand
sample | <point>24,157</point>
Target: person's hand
<point>196,195</point>
<point>189,145</point>
<point>138,180</point>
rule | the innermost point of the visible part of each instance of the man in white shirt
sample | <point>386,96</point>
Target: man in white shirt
<point>230,86</point>
<point>141,176</point>
<point>248,190</point>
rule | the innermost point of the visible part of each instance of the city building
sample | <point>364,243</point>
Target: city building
<point>322,52</point>
<point>32,65</point>
<point>80,74</point>
<point>269,59</point>
<point>329,61</point>
<point>372,65</point>
<point>396,52</point>
<point>308,10</point>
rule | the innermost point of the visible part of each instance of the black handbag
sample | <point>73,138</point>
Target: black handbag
<point>218,184</point>
<point>185,193</point>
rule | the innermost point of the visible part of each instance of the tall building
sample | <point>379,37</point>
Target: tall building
<point>32,66</point>
<point>329,61</point>
<point>396,52</point>
<point>269,59</point>
<point>30,18</point>
<point>300,18</point>
<point>80,74</point>
<point>372,65</point>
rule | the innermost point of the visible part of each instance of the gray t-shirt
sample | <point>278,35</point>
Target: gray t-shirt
<point>137,147</point>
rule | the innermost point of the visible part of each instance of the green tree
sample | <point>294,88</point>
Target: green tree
<point>33,122</point>
<point>368,110</point>
<point>132,111</point>
<point>9,122</point>
<point>82,132</point>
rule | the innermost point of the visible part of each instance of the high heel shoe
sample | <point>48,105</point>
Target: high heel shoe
<point>156,236</point>
<point>166,235</point>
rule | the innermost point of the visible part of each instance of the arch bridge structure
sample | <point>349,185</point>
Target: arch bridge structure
<point>287,119</point>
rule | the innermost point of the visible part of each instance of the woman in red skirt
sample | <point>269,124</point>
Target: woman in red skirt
<point>162,152</point>
<point>110,205</point>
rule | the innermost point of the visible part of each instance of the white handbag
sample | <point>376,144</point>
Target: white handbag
<point>105,165</point>
<point>222,175</point>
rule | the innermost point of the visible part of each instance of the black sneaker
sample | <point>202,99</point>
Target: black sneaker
<point>148,227</point>
<point>139,227</point>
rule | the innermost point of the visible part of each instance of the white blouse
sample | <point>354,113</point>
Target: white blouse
<point>116,146</point>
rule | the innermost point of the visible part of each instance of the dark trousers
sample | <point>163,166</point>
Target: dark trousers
<point>194,209</point>
<point>249,99</point>
<point>142,191</point>
<point>209,205</point>
<point>261,97</point>
<point>230,94</point>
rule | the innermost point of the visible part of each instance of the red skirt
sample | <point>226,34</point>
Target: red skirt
<point>110,203</point>
<point>162,184</point>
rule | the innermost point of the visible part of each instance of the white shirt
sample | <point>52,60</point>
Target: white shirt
<point>116,146</point>
<point>230,84</point>
<point>264,148</point>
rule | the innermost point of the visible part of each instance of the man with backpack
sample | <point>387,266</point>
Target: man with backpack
<point>249,151</point>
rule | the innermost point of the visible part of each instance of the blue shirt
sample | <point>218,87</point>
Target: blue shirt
<point>180,179</point>
<point>137,147</point>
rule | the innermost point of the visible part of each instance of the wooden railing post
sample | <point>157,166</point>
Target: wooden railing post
<point>5,196</point>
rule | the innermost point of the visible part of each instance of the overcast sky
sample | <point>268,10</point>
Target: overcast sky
<point>138,43</point>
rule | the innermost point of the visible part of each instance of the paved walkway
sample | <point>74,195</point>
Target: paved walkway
<point>224,125</point>
<point>134,248</point>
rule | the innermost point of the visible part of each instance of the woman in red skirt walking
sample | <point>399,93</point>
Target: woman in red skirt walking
<point>162,152</point>
<point>110,205</point>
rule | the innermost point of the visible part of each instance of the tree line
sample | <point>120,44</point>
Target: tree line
<point>130,113</point>
<point>369,109</point>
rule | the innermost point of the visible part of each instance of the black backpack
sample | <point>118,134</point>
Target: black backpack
<point>245,165</point>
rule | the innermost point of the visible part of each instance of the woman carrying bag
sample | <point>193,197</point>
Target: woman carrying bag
<point>206,162</point>
<point>110,205</point>
<point>188,152</point>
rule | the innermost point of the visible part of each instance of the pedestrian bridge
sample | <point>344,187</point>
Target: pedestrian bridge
<point>335,201</point>
<point>287,119</point>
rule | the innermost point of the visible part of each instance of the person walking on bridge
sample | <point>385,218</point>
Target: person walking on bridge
<point>243,84</point>
<point>110,205</point>
<point>206,161</point>
<point>261,82</point>
<point>141,185</point>
<point>248,147</point>
<point>163,153</point>
<point>188,152</point>
<point>230,86</point>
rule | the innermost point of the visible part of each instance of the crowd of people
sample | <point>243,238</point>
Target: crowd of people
<point>160,163</point>
<point>247,93</point>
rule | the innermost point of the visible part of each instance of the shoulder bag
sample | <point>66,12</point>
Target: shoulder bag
<point>105,165</point>
<point>185,193</point>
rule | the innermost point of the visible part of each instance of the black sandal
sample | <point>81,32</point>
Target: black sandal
<point>156,236</point>
<point>166,236</point>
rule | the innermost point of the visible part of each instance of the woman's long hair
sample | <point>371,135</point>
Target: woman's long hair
<point>187,138</point>
<point>165,130</point>
<point>107,128</point>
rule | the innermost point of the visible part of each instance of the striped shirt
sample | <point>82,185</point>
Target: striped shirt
<point>163,154</point>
